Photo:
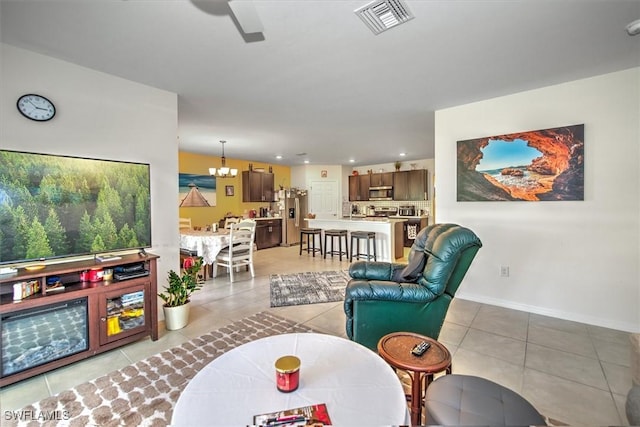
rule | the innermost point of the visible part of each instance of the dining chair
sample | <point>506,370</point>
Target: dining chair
<point>240,250</point>
<point>185,223</point>
<point>230,221</point>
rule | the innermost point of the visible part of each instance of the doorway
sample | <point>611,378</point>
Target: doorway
<point>324,199</point>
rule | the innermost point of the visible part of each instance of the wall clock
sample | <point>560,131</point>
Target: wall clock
<point>36,107</point>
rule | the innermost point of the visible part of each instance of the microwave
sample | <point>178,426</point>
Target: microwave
<point>381,193</point>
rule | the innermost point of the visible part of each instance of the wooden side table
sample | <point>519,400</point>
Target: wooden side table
<point>395,349</point>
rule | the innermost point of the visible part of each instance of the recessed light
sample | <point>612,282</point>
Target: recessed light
<point>306,161</point>
<point>278,157</point>
<point>403,154</point>
<point>351,161</point>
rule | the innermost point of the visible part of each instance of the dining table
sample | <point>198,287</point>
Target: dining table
<point>206,244</point>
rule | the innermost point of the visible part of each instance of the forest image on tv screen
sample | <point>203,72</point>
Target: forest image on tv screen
<point>57,206</point>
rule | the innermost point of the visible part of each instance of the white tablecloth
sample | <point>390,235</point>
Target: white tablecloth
<point>206,243</point>
<point>358,387</point>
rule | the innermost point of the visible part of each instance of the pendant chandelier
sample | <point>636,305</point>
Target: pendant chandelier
<point>223,171</point>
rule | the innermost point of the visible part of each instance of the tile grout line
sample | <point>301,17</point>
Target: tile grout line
<point>526,348</point>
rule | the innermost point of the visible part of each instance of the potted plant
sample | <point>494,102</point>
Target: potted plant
<point>176,295</point>
<point>398,165</point>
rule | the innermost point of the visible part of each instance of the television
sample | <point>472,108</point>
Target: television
<point>54,206</point>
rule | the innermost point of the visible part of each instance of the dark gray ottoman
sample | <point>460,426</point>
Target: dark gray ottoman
<point>467,400</point>
<point>633,397</point>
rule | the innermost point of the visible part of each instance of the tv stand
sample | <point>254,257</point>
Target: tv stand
<point>119,312</point>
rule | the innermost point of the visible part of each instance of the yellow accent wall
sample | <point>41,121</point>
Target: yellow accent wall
<point>200,164</point>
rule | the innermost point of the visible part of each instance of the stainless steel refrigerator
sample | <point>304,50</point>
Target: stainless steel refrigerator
<point>295,210</point>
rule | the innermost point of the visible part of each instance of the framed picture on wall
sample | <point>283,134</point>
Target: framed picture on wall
<point>537,165</point>
<point>196,191</point>
<point>228,190</point>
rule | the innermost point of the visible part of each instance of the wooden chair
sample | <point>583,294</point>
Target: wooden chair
<point>240,250</point>
<point>246,224</point>
<point>230,221</point>
<point>185,223</point>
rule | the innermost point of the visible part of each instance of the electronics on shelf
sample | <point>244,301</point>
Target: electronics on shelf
<point>130,271</point>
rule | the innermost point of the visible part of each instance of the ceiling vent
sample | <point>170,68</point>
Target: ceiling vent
<point>380,15</point>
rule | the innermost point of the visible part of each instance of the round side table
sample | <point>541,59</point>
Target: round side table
<point>395,349</point>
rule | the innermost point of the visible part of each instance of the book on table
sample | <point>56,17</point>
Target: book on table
<point>311,415</point>
<point>107,257</point>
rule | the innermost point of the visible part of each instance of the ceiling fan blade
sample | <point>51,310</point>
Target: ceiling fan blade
<point>246,15</point>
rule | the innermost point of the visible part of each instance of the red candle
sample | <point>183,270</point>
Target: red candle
<point>95,274</point>
<point>287,373</point>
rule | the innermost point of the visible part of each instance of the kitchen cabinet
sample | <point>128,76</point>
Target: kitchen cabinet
<point>257,186</point>
<point>384,179</point>
<point>354,188</point>
<point>398,241</point>
<point>401,185</point>
<point>418,189</point>
<point>410,185</point>
<point>268,233</point>
<point>359,187</point>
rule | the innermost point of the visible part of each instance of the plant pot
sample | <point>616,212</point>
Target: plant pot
<point>176,317</point>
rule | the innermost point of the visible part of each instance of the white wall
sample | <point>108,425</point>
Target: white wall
<point>574,260</point>
<point>98,116</point>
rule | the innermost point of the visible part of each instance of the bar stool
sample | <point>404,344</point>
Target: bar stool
<point>311,234</point>
<point>370,236</point>
<point>332,234</point>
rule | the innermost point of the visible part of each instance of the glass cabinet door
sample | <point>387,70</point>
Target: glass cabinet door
<point>122,313</point>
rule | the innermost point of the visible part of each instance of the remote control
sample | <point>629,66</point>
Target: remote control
<point>419,349</point>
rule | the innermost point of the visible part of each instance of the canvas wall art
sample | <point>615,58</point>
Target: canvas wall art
<point>540,165</point>
<point>196,190</point>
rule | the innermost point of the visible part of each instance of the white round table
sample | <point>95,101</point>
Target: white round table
<point>358,387</point>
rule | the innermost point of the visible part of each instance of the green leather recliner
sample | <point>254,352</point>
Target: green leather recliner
<point>385,297</point>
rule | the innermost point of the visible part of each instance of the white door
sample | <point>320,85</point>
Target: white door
<point>324,199</point>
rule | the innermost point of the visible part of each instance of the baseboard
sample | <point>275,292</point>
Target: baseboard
<point>574,317</point>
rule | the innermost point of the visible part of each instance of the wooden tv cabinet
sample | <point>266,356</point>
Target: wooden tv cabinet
<point>118,311</point>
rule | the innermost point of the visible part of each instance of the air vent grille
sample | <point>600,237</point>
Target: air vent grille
<point>380,15</point>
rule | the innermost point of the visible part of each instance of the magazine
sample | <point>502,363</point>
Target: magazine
<point>312,415</point>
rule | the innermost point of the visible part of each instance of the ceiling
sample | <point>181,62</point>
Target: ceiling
<point>318,81</point>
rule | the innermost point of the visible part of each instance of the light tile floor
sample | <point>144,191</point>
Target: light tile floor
<point>572,372</point>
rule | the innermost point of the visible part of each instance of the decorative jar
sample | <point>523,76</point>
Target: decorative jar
<point>287,373</point>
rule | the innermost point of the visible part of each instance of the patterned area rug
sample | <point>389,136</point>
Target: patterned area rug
<point>308,288</point>
<point>144,394</point>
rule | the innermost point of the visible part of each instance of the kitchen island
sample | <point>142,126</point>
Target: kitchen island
<point>389,236</point>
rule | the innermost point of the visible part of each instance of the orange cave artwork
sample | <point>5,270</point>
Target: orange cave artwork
<point>540,165</point>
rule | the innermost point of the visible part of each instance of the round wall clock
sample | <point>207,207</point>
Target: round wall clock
<point>36,107</point>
